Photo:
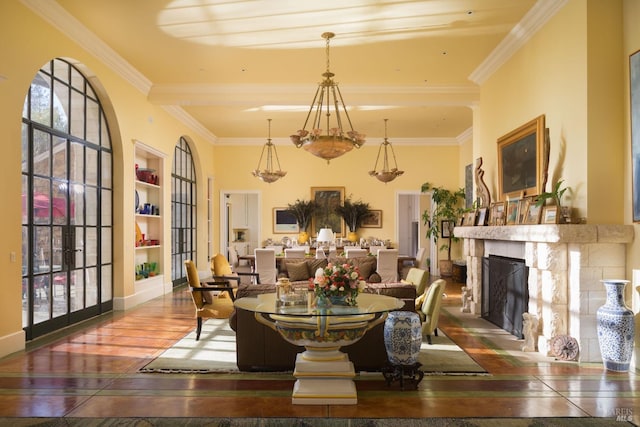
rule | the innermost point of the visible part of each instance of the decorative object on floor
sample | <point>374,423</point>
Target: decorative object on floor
<point>402,340</point>
<point>215,352</point>
<point>448,208</point>
<point>335,141</point>
<point>269,174</point>
<point>530,331</point>
<point>565,347</point>
<point>386,174</point>
<point>616,328</point>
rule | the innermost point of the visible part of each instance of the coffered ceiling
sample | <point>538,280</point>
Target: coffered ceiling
<point>226,66</point>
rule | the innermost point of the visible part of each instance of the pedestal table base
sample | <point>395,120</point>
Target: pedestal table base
<point>324,377</point>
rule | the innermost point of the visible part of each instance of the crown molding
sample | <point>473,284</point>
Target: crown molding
<point>519,35</point>
<point>182,116</point>
<point>68,25</point>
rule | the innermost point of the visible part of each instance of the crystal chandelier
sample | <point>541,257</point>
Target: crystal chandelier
<point>269,174</point>
<point>327,139</point>
<point>385,174</point>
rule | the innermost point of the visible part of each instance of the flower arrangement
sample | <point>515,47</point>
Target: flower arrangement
<point>337,281</point>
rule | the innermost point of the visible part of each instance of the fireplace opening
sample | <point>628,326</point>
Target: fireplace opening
<point>505,292</point>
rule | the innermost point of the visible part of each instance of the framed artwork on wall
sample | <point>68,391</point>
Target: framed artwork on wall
<point>325,216</point>
<point>523,160</point>
<point>634,84</point>
<point>284,222</point>
<point>374,220</point>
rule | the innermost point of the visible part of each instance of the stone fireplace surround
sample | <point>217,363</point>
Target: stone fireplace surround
<point>566,263</point>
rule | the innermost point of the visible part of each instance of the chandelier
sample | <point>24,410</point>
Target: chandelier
<point>269,174</point>
<point>327,139</point>
<point>385,174</point>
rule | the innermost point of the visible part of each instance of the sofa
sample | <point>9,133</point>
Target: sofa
<point>259,348</point>
<point>299,270</point>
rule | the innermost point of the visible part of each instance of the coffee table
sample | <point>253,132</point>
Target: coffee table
<point>324,374</point>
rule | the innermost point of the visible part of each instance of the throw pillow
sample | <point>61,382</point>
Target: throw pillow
<point>315,264</point>
<point>298,271</point>
<point>375,278</point>
<point>367,266</point>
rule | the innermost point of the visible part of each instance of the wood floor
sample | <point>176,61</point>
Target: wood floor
<point>92,372</point>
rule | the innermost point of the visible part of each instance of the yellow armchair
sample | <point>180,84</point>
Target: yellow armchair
<point>221,269</point>
<point>430,310</point>
<point>418,278</point>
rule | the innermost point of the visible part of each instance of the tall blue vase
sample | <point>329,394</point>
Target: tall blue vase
<point>402,337</point>
<point>616,328</point>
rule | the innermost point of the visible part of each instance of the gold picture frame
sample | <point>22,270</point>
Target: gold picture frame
<point>325,216</point>
<point>532,212</point>
<point>550,214</point>
<point>497,213</point>
<point>523,160</point>
<point>374,220</point>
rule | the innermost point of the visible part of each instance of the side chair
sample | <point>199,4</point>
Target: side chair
<point>203,296</point>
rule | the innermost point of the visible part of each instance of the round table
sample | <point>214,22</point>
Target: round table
<point>324,374</point>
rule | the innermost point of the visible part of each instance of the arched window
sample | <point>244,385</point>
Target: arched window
<point>67,198</point>
<point>183,211</point>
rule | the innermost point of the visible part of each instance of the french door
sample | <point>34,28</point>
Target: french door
<point>66,202</point>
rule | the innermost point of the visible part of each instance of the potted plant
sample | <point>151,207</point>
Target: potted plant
<point>449,207</point>
<point>353,213</point>
<point>303,211</point>
<point>555,195</point>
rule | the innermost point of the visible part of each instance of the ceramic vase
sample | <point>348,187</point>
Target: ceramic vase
<point>616,328</point>
<point>402,337</point>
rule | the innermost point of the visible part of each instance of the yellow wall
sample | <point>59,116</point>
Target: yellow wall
<point>28,44</point>
<point>438,164</point>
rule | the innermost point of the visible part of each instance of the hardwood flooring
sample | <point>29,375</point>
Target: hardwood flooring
<point>92,371</point>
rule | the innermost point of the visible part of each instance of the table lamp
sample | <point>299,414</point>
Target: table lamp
<point>325,235</point>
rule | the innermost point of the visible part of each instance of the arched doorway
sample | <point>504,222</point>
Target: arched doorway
<point>67,197</point>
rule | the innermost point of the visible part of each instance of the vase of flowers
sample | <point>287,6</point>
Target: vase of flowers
<point>337,284</point>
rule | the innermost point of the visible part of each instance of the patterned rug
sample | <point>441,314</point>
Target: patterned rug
<point>216,352</point>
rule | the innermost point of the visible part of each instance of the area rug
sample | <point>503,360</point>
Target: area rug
<point>216,352</point>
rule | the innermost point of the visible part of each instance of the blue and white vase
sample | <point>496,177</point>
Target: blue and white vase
<point>402,337</point>
<point>616,328</point>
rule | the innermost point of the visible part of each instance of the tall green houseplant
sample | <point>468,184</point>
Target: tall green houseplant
<point>353,213</point>
<point>303,211</point>
<point>449,206</point>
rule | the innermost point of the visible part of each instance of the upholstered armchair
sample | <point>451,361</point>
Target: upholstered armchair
<point>203,296</point>
<point>429,311</point>
<point>417,277</point>
<point>222,270</point>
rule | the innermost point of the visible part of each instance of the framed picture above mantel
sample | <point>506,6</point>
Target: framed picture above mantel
<point>523,160</point>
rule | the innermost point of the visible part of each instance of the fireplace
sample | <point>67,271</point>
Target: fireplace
<point>565,264</point>
<point>505,292</point>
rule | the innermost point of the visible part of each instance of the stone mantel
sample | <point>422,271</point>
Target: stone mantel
<point>560,233</point>
<point>566,264</point>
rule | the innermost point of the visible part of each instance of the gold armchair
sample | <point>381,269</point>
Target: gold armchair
<point>221,270</point>
<point>203,296</point>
